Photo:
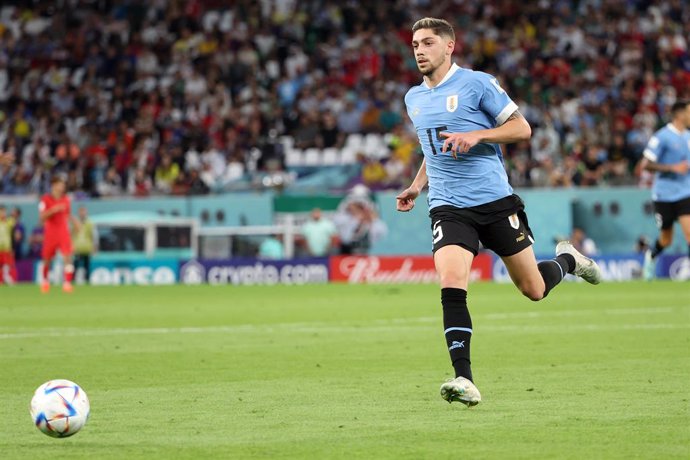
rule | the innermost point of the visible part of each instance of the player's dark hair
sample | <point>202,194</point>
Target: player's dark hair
<point>678,106</point>
<point>440,27</point>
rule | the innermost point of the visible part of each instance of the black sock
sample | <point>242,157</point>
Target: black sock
<point>457,326</point>
<point>553,271</point>
<point>657,249</point>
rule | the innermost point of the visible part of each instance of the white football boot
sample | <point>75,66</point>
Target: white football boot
<point>461,390</point>
<point>585,267</point>
<point>649,266</point>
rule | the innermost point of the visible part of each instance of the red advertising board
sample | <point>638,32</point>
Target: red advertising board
<point>397,269</point>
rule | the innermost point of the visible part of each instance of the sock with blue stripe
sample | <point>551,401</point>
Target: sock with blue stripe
<point>553,271</point>
<point>458,329</point>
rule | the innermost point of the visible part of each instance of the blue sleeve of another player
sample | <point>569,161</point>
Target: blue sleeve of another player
<point>493,99</point>
<point>655,148</point>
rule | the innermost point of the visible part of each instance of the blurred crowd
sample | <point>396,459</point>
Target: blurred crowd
<point>190,97</point>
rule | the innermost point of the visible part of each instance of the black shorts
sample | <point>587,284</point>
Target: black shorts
<point>667,212</point>
<point>500,226</point>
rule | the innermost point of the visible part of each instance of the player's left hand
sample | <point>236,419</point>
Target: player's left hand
<point>459,142</point>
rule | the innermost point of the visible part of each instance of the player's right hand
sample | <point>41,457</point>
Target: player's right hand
<point>405,200</point>
<point>681,168</point>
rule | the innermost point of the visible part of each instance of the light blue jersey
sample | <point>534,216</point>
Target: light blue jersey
<point>464,101</point>
<point>669,146</point>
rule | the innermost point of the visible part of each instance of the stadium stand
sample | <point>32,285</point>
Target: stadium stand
<point>182,97</point>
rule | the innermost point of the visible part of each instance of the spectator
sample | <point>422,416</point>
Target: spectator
<point>357,222</point>
<point>373,172</point>
<point>18,234</point>
<point>319,234</point>
<point>36,242</point>
<point>166,174</point>
<point>85,241</point>
<point>330,135</point>
<point>594,167</point>
<point>271,248</point>
<point>177,79</point>
<point>111,185</point>
<point>139,184</point>
<point>582,242</point>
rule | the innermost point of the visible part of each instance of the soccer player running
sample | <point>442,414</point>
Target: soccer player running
<point>667,155</point>
<point>55,214</point>
<point>460,117</point>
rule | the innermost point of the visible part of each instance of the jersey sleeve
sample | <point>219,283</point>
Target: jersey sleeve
<point>655,149</point>
<point>42,205</point>
<point>493,99</point>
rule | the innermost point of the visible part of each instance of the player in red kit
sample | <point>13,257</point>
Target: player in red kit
<point>55,213</point>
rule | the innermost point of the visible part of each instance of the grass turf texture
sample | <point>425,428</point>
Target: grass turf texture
<point>340,371</point>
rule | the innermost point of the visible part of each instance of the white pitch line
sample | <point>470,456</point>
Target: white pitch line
<point>376,322</point>
<point>325,328</point>
<point>582,312</point>
<point>381,325</point>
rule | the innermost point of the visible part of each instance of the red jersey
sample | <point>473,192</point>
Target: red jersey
<point>58,223</point>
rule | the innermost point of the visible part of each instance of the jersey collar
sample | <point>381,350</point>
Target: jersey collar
<point>454,68</point>
<point>672,128</point>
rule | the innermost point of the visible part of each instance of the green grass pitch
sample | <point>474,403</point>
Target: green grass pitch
<point>340,371</point>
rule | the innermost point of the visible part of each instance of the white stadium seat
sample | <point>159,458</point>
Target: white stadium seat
<point>312,157</point>
<point>329,157</point>
<point>293,157</point>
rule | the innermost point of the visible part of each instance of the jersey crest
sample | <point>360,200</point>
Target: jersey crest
<point>452,103</point>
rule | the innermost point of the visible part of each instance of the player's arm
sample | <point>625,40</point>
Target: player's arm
<point>45,214</point>
<point>515,129</point>
<point>678,168</point>
<point>654,152</point>
<point>76,225</point>
<point>405,201</point>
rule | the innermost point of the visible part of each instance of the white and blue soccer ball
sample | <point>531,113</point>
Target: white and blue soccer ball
<point>60,408</point>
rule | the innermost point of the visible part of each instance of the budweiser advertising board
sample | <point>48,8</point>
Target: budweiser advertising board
<point>397,269</point>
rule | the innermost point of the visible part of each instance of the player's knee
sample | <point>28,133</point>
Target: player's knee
<point>453,278</point>
<point>533,291</point>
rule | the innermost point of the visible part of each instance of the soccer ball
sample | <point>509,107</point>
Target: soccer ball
<point>59,408</point>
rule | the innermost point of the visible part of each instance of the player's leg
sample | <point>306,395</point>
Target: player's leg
<point>87,267</point>
<point>45,271</point>
<point>664,240</point>
<point>665,216</point>
<point>68,276</point>
<point>47,254</point>
<point>453,266</point>
<point>523,270</point>
<point>3,265</point>
<point>511,238</point>
<point>11,268</point>
<point>14,275</point>
<point>455,244</point>
<point>685,226</point>
<point>66,250</point>
<point>81,261</point>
